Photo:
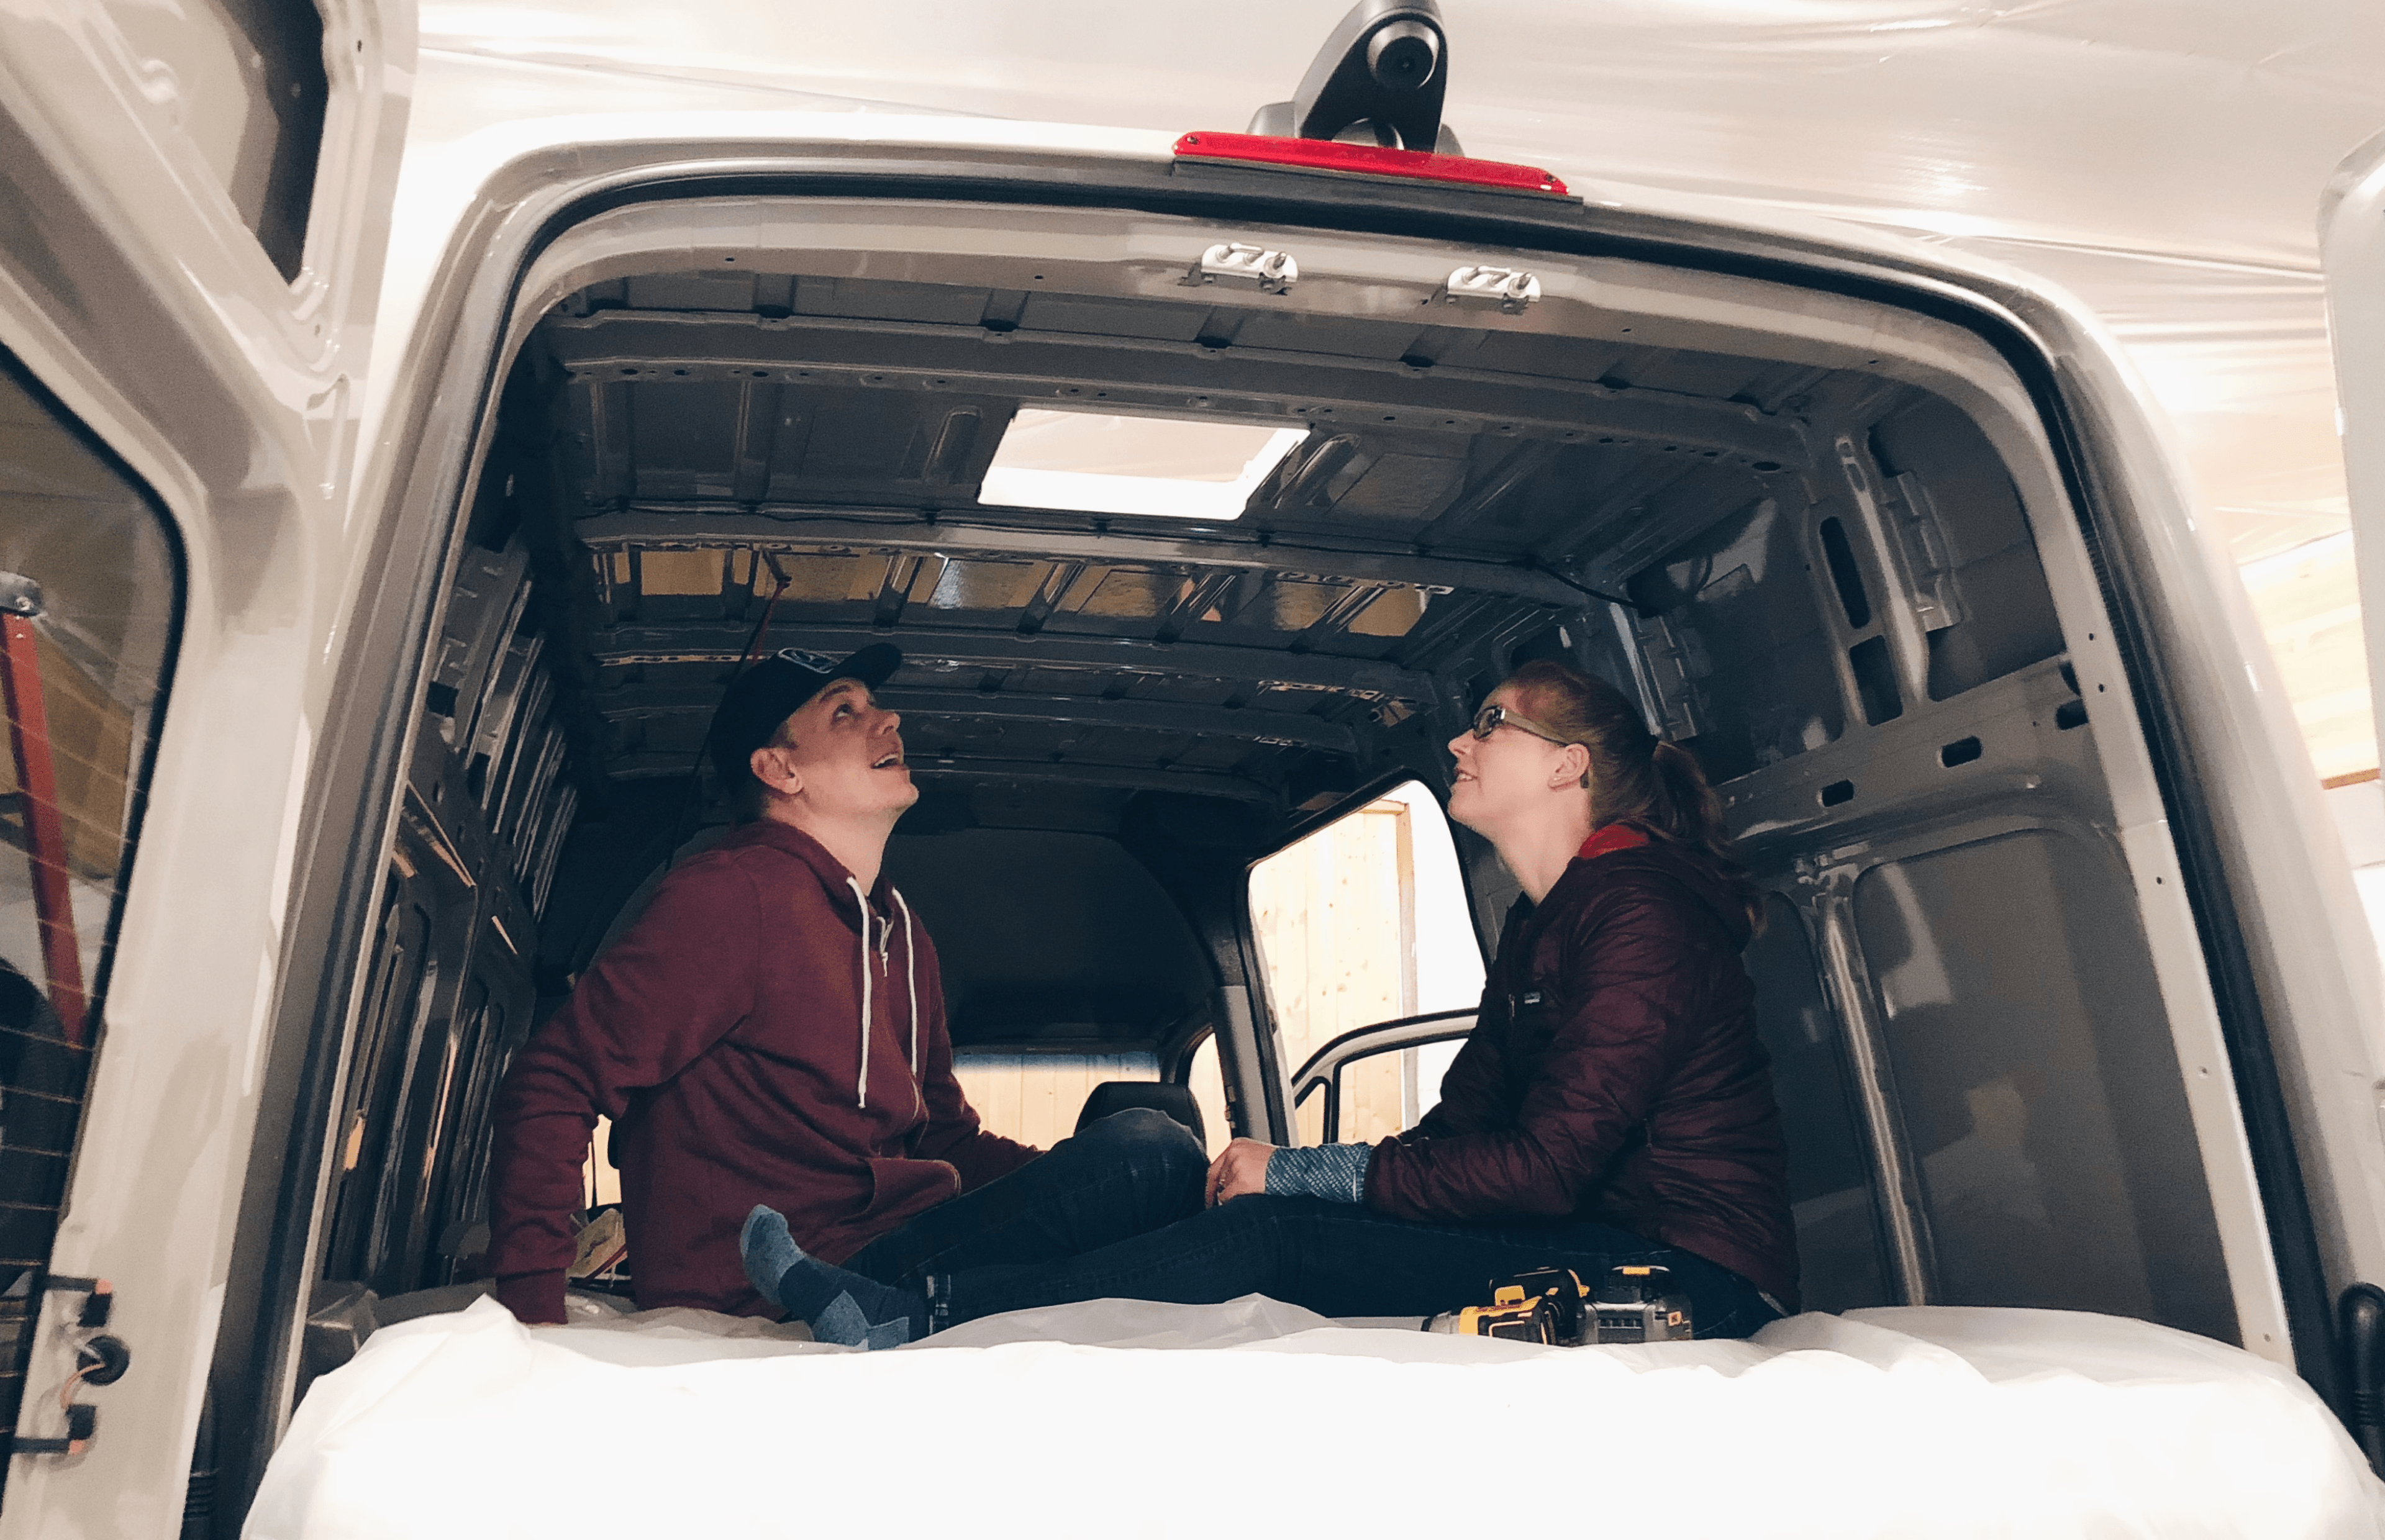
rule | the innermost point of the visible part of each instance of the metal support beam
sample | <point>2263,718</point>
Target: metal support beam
<point>1896,1183</point>
<point>1252,725</point>
<point>926,647</point>
<point>797,530</point>
<point>961,360</point>
<point>1195,783</point>
<point>1525,461</point>
<point>1192,782</point>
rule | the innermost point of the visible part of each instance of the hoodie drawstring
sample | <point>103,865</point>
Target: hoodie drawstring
<point>910,974</point>
<point>862,1085</point>
<point>910,978</point>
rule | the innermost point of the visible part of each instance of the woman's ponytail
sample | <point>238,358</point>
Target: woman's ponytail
<point>1634,777</point>
<point>1683,805</point>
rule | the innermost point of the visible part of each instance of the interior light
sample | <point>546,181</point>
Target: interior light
<point>1101,463</point>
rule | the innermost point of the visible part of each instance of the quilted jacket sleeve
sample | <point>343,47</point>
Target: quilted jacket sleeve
<point>1471,1086</point>
<point>1626,991</point>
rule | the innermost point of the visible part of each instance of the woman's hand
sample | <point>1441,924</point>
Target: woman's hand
<point>1240,1168</point>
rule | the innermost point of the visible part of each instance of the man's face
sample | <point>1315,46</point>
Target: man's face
<point>843,756</point>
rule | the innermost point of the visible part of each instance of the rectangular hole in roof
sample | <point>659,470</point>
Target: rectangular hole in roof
<point>1098,463</point>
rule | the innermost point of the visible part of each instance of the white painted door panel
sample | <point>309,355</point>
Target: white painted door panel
<point>196,285</point>
<point>2352,242</point>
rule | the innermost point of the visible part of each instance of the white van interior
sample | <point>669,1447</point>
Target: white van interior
<point>1812,539</point>
<point>1201,520</point>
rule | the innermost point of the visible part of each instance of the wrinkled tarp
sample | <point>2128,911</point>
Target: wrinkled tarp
<point>1258,1418</point>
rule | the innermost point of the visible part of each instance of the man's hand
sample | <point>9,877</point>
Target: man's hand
<point>1241,1168</point>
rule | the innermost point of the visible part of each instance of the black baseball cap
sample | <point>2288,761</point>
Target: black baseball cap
<point>768,690</point>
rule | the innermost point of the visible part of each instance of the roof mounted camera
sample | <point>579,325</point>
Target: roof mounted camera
<point>1379,79</point>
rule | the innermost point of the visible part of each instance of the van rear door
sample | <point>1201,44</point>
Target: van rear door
<point>193,212</point>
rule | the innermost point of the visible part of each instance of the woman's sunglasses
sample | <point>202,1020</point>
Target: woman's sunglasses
<point>1489,719</point>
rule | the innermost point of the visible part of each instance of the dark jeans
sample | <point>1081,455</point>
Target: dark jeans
<point>1340,1259</point>
<point>1131,1172</point>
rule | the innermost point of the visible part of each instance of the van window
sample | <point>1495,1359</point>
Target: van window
<point>1035,1098</point>
<point>1207,1082</point>
<point>91,588</point>
<point>1365,921</point>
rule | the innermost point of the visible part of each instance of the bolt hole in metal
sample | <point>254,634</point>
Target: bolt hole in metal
<point>1963,751</point>
<point>1838,792</point>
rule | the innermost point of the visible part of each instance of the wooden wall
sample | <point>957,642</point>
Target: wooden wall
<point>1335,917</point>
<point>1035,1098</point>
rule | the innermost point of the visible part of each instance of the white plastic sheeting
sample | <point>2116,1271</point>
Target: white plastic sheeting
<point>1082,1420</point>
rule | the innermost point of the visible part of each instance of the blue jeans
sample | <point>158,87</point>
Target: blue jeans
<point>1343,1259</point>
<point>1130,1173</point>
<point>1116,1213</point>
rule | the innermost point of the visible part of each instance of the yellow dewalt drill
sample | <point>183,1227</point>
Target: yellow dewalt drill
<point>1553,1305</point>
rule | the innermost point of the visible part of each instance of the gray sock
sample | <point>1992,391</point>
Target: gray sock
<point>840,1306</point>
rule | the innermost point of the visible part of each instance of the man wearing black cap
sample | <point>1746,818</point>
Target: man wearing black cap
<point>771,1031</point>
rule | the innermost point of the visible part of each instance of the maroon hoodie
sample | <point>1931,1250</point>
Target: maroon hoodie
<point>1615,1074</point>
<point>759,1036</point>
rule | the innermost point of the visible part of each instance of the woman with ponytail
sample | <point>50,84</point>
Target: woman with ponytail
<point>1612,1107</point>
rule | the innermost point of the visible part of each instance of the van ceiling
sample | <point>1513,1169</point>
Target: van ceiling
<point>680,447</point>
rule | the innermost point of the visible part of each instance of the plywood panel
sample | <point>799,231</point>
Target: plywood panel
<point>2308,603</point>
<point>1208,1084</point>
<point>1335,917</point>
<point>1374,1097</point>
<point>1035,1098</point>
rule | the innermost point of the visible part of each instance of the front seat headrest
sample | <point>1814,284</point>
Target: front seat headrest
<point>1117,1096</point>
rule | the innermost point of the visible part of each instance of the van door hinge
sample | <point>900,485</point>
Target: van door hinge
<point>100,1359</point>
<point>1238,262</point>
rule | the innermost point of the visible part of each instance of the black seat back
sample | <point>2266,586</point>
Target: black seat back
<point>1117,1096</point>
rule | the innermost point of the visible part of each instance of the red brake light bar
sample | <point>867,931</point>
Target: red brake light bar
<point>1369,160</point>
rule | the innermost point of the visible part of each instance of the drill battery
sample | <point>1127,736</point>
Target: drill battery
<point>1553,1305</point>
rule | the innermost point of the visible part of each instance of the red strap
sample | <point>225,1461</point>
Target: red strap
<point>1606,842</point>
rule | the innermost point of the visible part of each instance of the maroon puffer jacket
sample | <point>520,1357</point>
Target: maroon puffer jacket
<point>1614,1075</point>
